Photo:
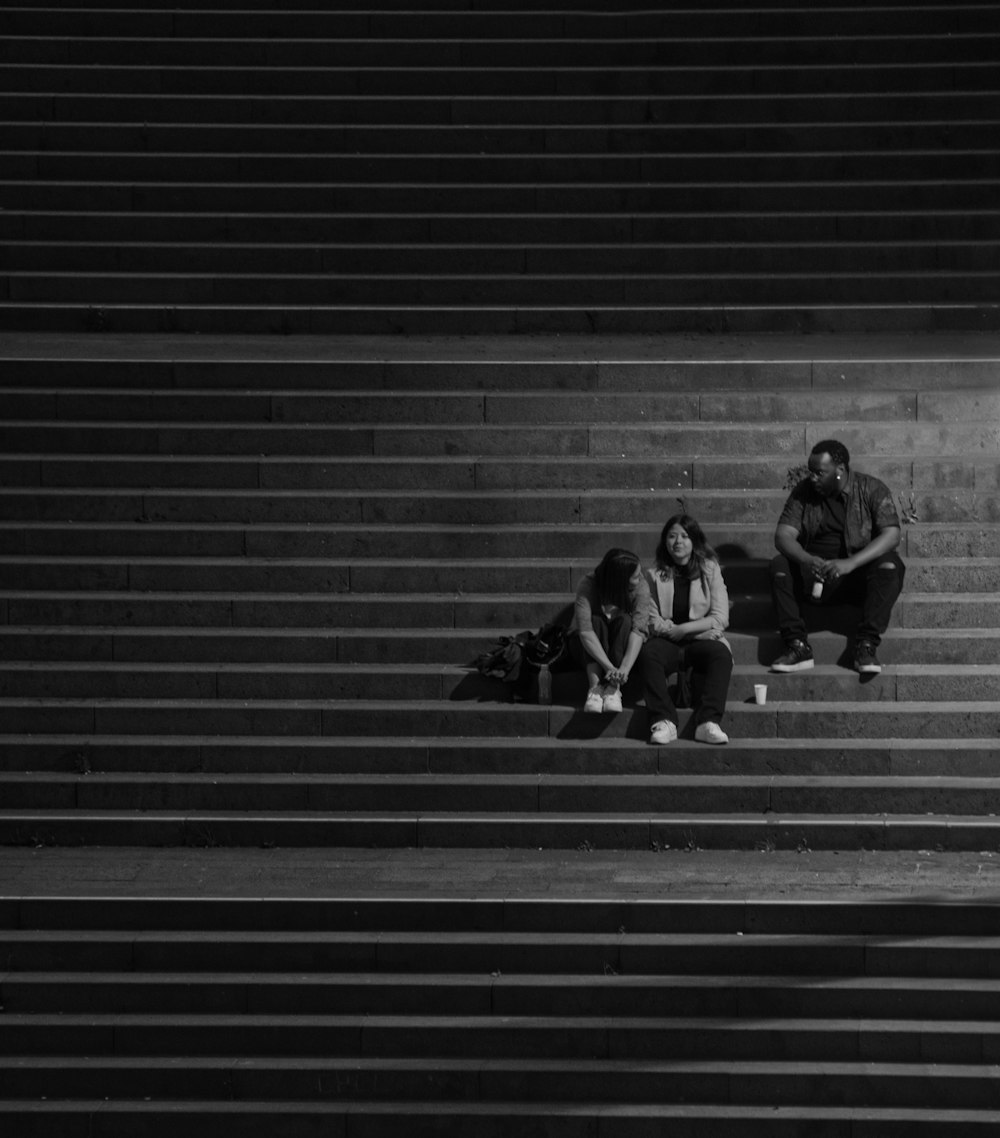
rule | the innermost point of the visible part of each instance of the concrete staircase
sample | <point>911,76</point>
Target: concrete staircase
<point>496,168</point>
<point>242,592</point>
<point>499,1017</point>
<point>242,578</point>
<point>242,583</point>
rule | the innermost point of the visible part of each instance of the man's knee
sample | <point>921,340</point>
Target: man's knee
<point>779,566</point>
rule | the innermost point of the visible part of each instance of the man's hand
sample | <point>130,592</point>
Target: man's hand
<point>834,570</point>
<point>815,568</point>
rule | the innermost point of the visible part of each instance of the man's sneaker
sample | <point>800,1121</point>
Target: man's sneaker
<point>594,703</point>
<point>663,732</point>
<point>797,658</point>
<point>710,733</point>
<point>865,659</point>
<point>613,700</point>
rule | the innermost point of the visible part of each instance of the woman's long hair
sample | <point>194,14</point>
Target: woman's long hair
<point>701,551</point>
<point>613,575</point>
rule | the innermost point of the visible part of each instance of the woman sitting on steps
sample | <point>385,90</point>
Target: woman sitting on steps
<point>689,609</point>
<point>609,626</point>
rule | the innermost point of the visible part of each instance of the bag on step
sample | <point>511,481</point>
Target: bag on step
<point>517,659</point>
<point>503,661</point>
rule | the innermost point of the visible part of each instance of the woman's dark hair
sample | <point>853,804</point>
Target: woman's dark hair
<point>613,576</point>
<point>701,551</point>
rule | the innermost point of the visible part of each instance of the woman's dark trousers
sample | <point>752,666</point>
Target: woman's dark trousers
<point>712,663</point>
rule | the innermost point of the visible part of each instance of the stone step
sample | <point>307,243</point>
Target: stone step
<point>909,682</point>
<point>457,831</point>
<point>416,648</point>
<point>526,408</point>
<point>611,227</point>
<point>573,544</point>
<point>781,719</point>
<point>578,960</point>
<point>829,317</point>
<point>400,993</point>
<point>713,439</point>
<point>899,44</point>
<point>234,754</point>
<point>725,287</point>
<point>584,142</point>
<point>300,1120</point>
<point>579,364</point>
<point>512,1037</point>
<point>403,228</point>
<point>531,505</point>
<point>444,200</point>
<point>440,612</point>
<point>463,256</point>
<point>249,575</point>
<point>451,24</point>
<point>240,1083</point>
<point>308,85</point>
<point>532,798</point>
<point>263,477</point>
<point>456,917</point>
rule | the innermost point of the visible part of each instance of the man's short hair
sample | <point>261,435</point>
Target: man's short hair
<point>838,453</point>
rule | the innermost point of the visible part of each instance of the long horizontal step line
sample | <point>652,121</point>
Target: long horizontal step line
<point>528,68</point>
<point>557,43</point>
<point>820,273</point>
<point>511,246</point>
<point>492,99</point>
<point>645,186</point>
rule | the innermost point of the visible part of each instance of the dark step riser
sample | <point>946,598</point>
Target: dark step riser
<point>532,509</point>
<point>686,833</point>
<point>952,759</point>
<point>504,615</point>
<point>446,648</point>
<point>381,1081</point>
<point>594,410</point>
<point>138,682</point>
<point>504,258</point>
<point>601,229</point>
<point>791,440</point>
<point>872,720</point>
<point>483,24</point>
<point>890,317</point>
<point>698,800</point>
<point>442,200</point>
<point>518,51</point>
<point>855,139</point>
<point>311,87</point>
<point>818,286</point>
<point>306,476</point>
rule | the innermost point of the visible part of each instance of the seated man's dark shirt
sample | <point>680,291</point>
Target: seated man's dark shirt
<point>868,510</point>
<point>828,540</point>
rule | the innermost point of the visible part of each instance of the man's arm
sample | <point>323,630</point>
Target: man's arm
<point>786,541</point>
<point>879,546</point>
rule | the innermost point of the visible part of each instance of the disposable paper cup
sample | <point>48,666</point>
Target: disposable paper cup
<point>760,693</point>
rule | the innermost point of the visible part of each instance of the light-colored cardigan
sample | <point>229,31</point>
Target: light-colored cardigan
<point>714,605</point>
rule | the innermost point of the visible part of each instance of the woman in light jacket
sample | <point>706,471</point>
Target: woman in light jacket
<point>689,610</point>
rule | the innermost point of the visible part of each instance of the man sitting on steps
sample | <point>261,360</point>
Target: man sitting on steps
<point>836,539</point>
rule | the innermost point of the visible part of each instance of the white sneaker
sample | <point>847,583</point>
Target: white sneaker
<point>663,732</point>
<point>613,700</point>
<point>594,703</point>
<point>710,733</point>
